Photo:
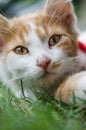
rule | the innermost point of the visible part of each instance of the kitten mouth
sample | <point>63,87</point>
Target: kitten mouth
<point>48,75</point>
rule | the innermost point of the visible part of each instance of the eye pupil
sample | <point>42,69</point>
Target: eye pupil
<point>20,50</point>
<point>55,39</point>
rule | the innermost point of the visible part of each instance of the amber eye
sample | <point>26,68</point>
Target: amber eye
<point>20,50</point>
<point>54,40</point>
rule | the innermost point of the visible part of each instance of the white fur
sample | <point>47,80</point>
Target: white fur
<point>24,67</point>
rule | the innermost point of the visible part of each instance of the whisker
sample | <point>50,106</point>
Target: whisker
<point>69,64</point>
<point>70,59</point>
<point>23,75</point>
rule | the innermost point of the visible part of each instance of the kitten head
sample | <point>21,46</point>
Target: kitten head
<point>36,44</point>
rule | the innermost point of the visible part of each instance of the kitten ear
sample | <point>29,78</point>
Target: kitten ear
<point>4,25</point>
<point>61,10</point>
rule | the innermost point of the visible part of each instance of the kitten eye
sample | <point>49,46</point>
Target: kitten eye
<point>54,40</point>
<point>20,50</point>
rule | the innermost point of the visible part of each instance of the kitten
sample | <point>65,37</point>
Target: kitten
<point>37,47</point>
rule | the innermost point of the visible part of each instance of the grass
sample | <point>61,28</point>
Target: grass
<point>43,114</point>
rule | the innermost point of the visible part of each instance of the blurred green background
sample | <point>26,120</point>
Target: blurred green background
<point>11,8</point>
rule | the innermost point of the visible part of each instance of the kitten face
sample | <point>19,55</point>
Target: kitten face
<point>34,45</point>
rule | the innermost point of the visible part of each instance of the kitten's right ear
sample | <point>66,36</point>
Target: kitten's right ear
<point>61,10</point>
<point>4,26</point>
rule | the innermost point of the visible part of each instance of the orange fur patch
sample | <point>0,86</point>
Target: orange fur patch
<point>40,34</point>
<point>64,92</point>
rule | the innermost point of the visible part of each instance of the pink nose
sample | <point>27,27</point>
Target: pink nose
<point>43,63</point>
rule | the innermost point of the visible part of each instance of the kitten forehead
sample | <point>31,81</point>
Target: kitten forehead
<point>39,26</point>
<point>32,25</point>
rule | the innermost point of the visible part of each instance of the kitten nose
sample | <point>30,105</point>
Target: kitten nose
<point>44,63</point>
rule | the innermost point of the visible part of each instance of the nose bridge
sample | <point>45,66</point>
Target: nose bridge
<point>42,57</point>
<point>41,52</point>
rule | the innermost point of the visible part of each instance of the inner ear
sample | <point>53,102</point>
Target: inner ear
<point>61,10</point>
<point>4,27</point>
<point>58,6</point>
<point>1,45</point>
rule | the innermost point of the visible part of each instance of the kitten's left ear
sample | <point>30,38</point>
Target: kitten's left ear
<point>4,27</point>
<point>61,10</point>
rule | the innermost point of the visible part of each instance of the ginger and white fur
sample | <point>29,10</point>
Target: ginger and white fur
<point>76,83</point>
<point>34,32</point>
